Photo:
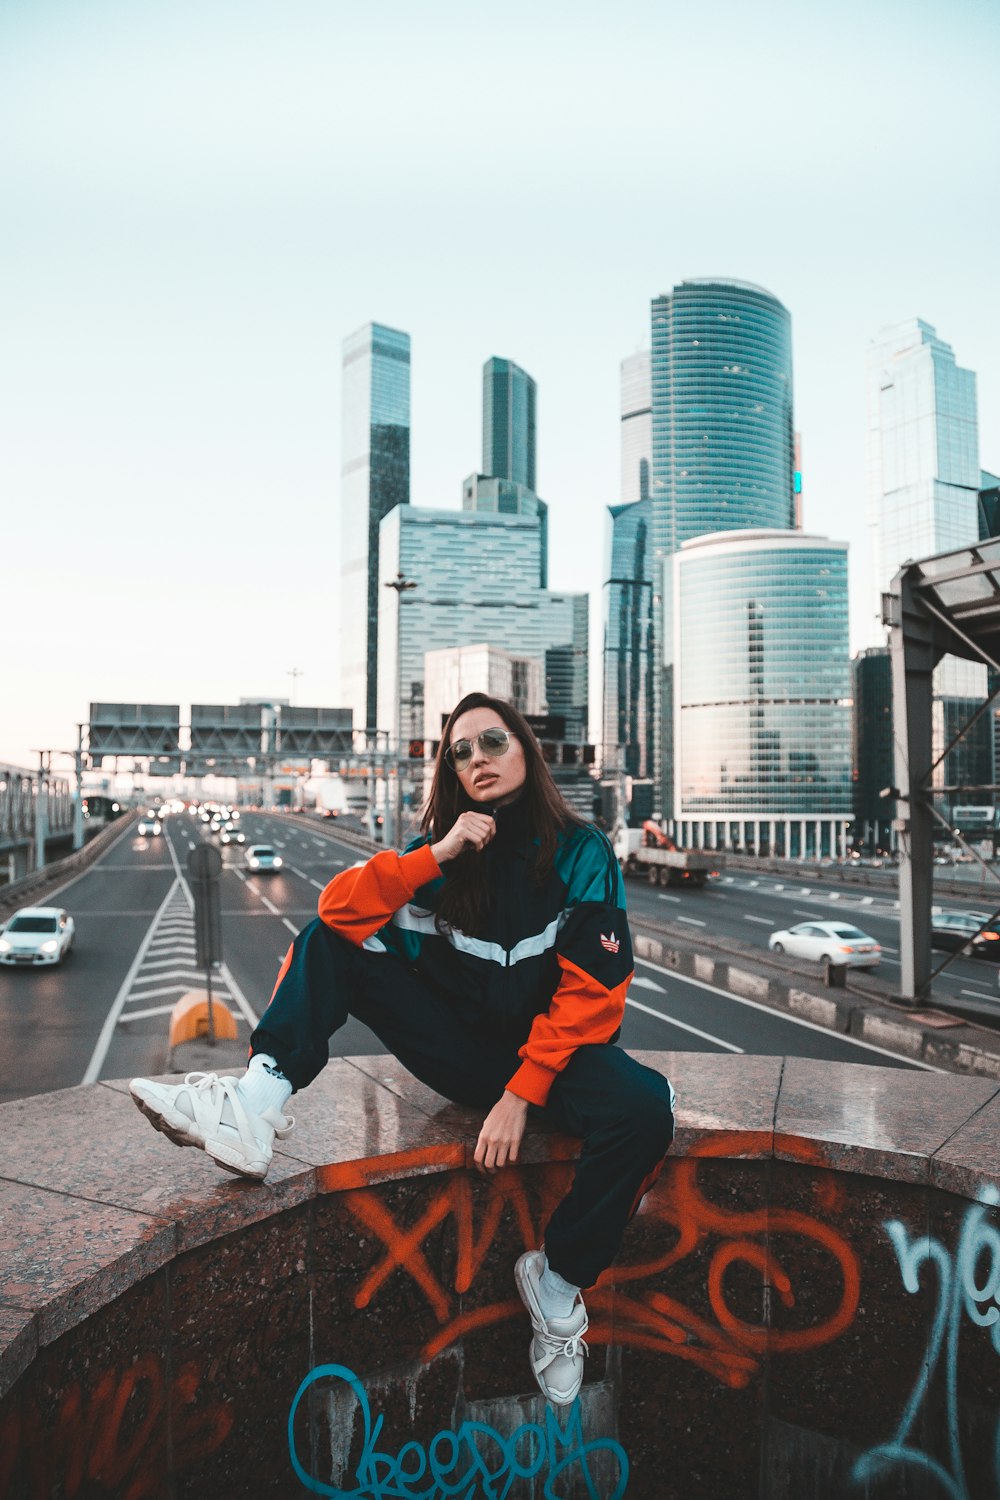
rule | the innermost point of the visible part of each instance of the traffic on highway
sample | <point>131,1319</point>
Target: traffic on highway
<point>104,1010</point>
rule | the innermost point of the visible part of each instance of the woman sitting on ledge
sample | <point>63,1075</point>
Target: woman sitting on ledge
<point>492,959</point>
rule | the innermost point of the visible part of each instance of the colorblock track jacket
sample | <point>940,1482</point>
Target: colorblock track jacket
<point>549,970</point>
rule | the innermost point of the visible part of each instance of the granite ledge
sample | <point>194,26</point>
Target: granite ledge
<point>129,1202</point>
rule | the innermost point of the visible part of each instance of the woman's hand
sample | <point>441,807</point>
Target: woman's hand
<point>500,1137</point>
<point>470,829</point>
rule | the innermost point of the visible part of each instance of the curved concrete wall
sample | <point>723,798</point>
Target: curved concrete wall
<point>806,1306</point>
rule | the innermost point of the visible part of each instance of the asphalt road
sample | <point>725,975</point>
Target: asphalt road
<point>105,1013</point>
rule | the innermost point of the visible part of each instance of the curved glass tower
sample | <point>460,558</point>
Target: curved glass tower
<point>762,707</point>
<point>723,443</point>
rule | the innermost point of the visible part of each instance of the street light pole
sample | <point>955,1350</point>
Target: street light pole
<point>401,584</point>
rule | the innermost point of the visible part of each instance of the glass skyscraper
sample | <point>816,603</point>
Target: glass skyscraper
<point>722,442</point>
<point>628,656</point>
<point>628,588</point>
<point>924,484</point>
<point>477,580</point>
<point>762,706</point>
<point>636,426</point>
<point>923,448</point>
<point>375,477</point>
<point>509,419</point>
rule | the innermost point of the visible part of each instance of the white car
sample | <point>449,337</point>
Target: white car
<point>836,941</point>
<point>148,827</point>
<point>229,834</point>
<point>37,935</point>
<point>261,857</point>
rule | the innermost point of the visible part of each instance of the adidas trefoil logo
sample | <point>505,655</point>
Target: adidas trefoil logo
<point>611,943</point>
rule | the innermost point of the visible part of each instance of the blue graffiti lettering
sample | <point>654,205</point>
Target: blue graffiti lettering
<point>476,1461</point>
<point>971,1284</point>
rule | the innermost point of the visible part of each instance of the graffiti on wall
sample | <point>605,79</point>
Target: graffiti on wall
<point>967,1282</point>
<point>476,1460</point>
<point>728,1346</point>
<point>112,1437</point>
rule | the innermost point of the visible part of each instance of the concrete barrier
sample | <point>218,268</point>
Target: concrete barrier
<point>806,1305</point>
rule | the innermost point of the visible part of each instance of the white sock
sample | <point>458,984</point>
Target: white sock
<point>556,1296</point>
<point>263,1085</point>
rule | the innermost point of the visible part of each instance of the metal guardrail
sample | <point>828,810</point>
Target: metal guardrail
<point>12,895</point>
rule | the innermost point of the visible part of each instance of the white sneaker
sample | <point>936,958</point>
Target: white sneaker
<point>557,1346</point>
<point>206,1111</point>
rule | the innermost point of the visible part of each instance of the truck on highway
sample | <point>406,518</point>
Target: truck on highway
<point>648,851</point>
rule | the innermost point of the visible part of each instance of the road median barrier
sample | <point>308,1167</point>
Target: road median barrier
<point>193,1018</point>
<point>929,1035</point>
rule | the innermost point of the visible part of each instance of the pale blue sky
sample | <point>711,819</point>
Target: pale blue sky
<point>200,198</point>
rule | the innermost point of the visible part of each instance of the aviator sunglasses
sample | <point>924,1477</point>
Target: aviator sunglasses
<point>492,742</point>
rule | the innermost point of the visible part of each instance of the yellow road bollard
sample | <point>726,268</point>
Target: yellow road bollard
<point>189,1019</point>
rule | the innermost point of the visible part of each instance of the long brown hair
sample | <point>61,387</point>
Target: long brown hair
<point>465,899</point>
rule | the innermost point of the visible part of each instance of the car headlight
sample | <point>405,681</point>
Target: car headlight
<point>51,946</point>
<point>253,863</point>
<point>5,946</point>
<point>277,864</point>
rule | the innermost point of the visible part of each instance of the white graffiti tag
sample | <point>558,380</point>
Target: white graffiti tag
<point>970,1283</point>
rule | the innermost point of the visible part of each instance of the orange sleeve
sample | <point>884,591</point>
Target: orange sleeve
<point>582,1012</point>
<point>357,902</point>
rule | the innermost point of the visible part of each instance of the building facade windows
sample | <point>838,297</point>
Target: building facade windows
<point>762,705</point>
<point>375,477</point>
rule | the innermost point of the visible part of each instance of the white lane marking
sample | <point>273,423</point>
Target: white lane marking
<point>662,897</point>
<point>706,1036</point>
<point>100,1051</point>
<point>317,883</point>
<point>691,921</point>
<point>158,994</point>
<point>764,921</point>
<point>142,1015</point>
<point>300,873</point>
<point>779,887</point>
<point>784,1016</point>
<point>249,1014</point>
<point>798,912</point>
<point>648,984</point>
<point>291,927</point>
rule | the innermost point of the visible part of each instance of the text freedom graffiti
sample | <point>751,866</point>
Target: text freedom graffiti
<point>476,1461</point>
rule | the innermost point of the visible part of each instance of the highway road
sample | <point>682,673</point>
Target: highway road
<point>105,1013</point>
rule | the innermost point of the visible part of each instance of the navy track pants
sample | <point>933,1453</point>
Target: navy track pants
<point>621,1110</point>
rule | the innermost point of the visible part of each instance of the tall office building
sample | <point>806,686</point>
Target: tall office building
<point>762,706</point>
<point>628,657</point>
<point>375,477</point>
<point>509,417</point>
<point>479,668</point>
<point>477,580</point>
<point>636,426</point>
<point>628,587</point>
<point>722,444</point>
<point>491,495</point>
<point>924,484</point>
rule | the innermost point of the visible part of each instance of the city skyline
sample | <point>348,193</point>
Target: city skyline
<point>196,225</point>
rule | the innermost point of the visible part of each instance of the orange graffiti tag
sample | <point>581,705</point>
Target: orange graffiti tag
<point>84,1446</point>
<point>628,1305</point>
